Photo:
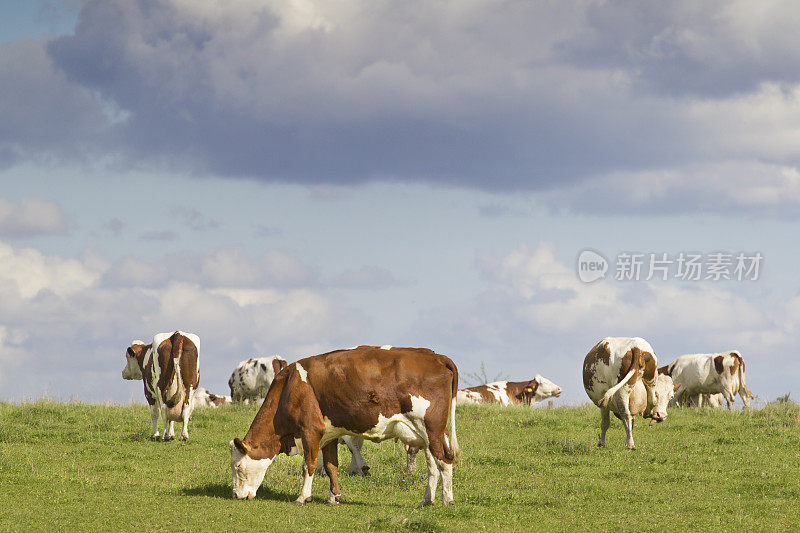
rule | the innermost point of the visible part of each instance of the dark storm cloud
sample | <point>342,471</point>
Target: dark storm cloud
<point>496,96</point>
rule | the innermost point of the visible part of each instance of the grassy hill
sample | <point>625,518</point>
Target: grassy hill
<point>71,466</point>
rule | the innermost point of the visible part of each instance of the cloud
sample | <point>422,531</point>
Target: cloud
<point>196,220</point>
<point>536,316</point>
<point>367,277</point>
<point>159,235</point>
<point>542,97</point>
<point>67,321</point>
<point>31,217</point>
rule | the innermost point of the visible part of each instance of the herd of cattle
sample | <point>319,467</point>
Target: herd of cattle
<point>407,394</point>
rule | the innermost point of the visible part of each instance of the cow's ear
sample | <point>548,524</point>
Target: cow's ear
<point>241,446</point>
<point>283,364</point>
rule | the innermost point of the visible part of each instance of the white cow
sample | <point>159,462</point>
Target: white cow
<point>251,379</point>
<point>709,373</point>
<point>509,392</point>
<point>620,376</point>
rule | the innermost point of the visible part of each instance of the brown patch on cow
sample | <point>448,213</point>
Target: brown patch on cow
<point>483,390</point>
<point>522,391</point>
<point>734,366</point>
<point>665,370</point>
<point>718,364</point>
<point>278,365</point>
<point>182,350</point>
<point>598,354</point>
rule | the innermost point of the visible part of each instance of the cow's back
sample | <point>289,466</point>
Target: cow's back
<point>354,388</point>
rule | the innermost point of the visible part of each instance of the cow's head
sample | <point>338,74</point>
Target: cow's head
<point>132,369</point>
<point>248,473</point>
<point>664,391</point>
<point>546,389</point>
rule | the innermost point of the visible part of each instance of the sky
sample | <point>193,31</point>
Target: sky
<point>292,177</point>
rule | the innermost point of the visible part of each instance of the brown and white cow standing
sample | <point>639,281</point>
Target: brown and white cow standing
<point>619,375</point>
<point>366,392</point>
<point>510,392</point>
<point>170,372</point>
<point>709,373</point>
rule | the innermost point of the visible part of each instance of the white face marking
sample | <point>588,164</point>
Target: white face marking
<point>664,393</point>
<point>302,372</point>
<point>386,347</point>
<point>247,473</point>
<point>546,389</point>
<point>131,370</point>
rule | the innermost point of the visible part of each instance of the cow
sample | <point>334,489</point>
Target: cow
<point>367,392</point>
<point>701,400</point>
<point>709,373</point>
<point>619,375</point>
<point>251,379</point>
<point>169,367</point>
<point>510,392</point>
<point>203,398</point>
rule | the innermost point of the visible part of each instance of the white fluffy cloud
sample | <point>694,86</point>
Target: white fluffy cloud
<point>31,216</point>
<point>68,321</point>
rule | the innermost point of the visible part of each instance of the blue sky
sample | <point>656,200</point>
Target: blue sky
<point>271,177</point>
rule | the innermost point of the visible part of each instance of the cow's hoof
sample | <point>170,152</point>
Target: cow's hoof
<point>155,437</point>
<point>601,444</point>
<point>425,503</point>
<point>631,447</point>
<point>298,501</point>
<point>184,437</point>
<point>334,499</point>
<point>365,471</point>
<point>450,502</point>
<point>167,439</point>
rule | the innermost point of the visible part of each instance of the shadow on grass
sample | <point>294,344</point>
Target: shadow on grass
<point>224,491</point>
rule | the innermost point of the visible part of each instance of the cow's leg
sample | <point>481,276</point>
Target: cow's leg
<point>310,453</point>
<point>605,422</point>
<point>169,425</point>
<point>154,417</point>
<point>411,458</point>
<point>358,466</point>
<point>627,418</point>
<point>729,398</point>
<point>433,479</point>
<point>330,457</point>
<point>186,413</point>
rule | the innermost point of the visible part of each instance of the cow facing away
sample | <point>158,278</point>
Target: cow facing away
<point>510,392</point>
<point>251,379</point>
<point>203,398</point>
<point>619,375</point>
<point>366,392</point>
<point>169,368</point>
<point>709,373</point>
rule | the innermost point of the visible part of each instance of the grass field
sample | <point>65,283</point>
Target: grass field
<point>78,466</point>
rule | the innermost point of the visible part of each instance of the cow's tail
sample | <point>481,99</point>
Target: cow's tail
<point>610,392</point>
<point>452,451</point>
<point>743,390</point>
<point>177,396</point>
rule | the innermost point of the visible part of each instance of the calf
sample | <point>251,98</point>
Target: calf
<point>367,392</point>
<point>510,392</point>
<point>251,379</point>
<point>709,373</point>
<point>203,398</point>
<point>169,368</point>
<point>619,375</point>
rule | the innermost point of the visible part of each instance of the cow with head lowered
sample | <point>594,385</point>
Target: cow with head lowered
<point>250,380</point>
<point>619,375</point>
<point>366,392</point>
<point>169,368</point>
<point>708,374</point>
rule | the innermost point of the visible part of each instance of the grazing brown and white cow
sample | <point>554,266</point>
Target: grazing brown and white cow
<point>619,375</point>
<point>251,379</point>
<point>510,392</point>
<point>203,398</point>
<point>366,392</point>
<point>169,368</point>
<point>709,373</point>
